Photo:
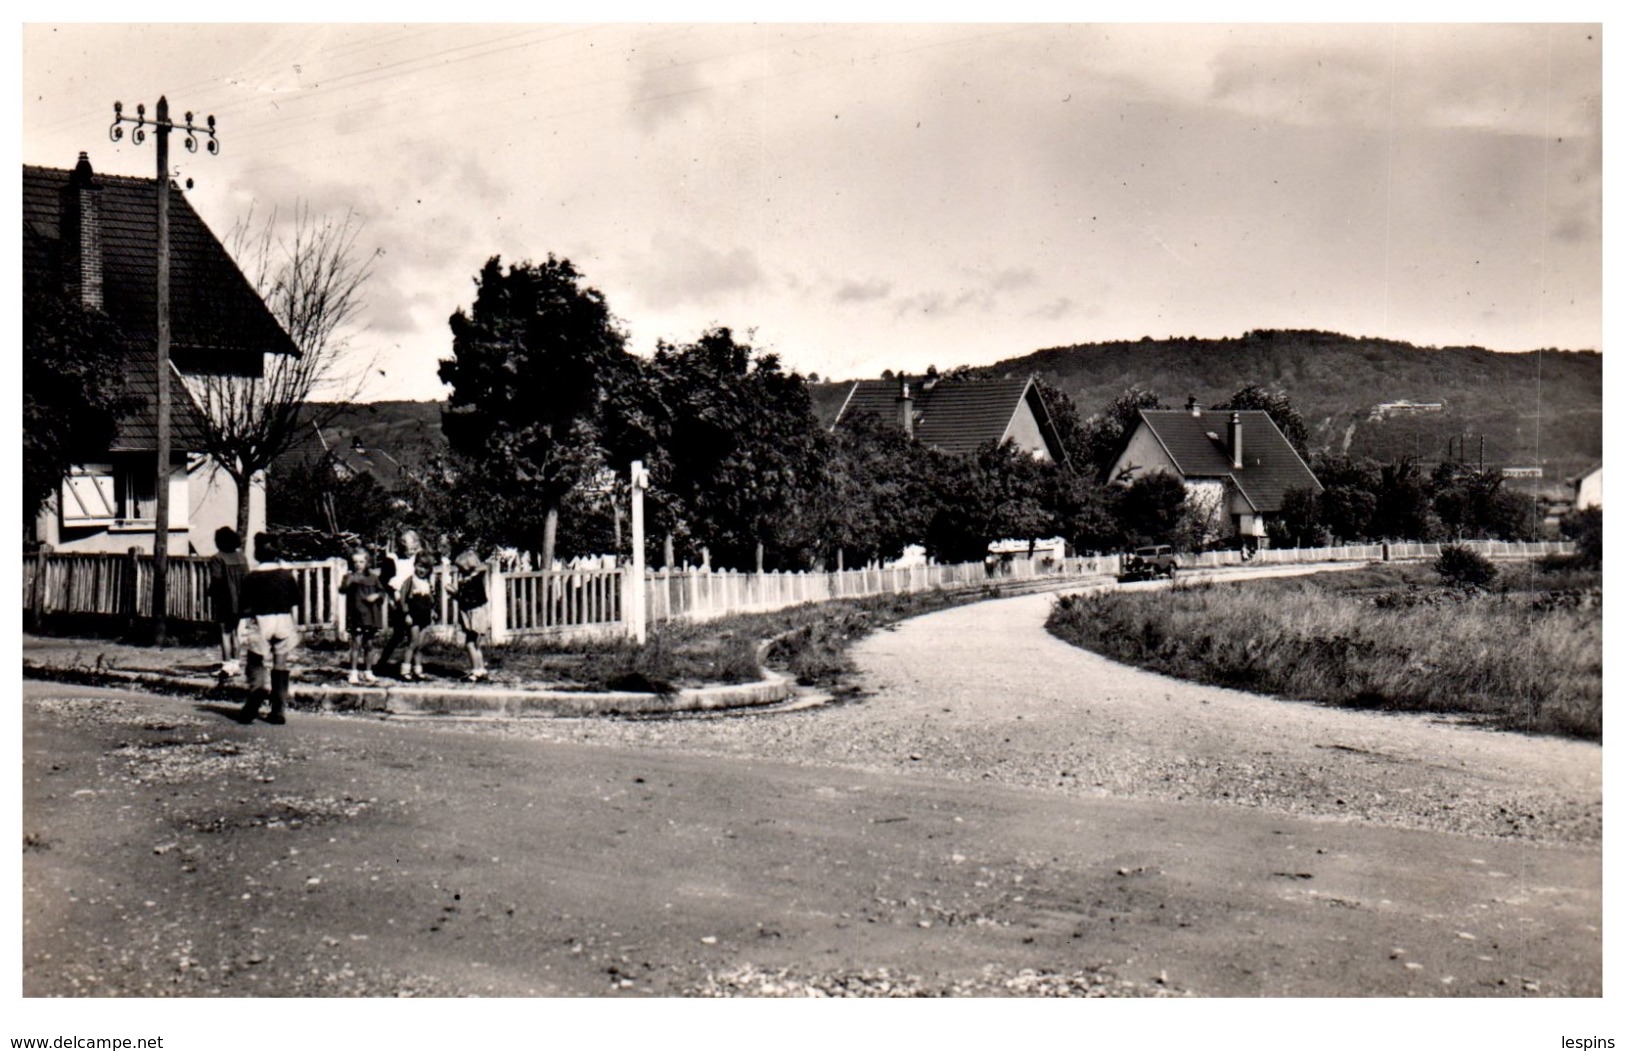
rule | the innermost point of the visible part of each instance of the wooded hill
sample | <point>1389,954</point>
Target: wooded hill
<point>1530,409</point>
<point>1336,382</point>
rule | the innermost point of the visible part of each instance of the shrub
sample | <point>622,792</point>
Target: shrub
<point>1464,567</point>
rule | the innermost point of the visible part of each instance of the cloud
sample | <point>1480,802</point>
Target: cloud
<point>663,95</point>
<point>1055,309</point>
<point>862,291</point>
<point>679,268</point>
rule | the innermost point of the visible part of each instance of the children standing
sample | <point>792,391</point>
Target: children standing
<point>270,595</point>
<point>226,571</point>
<point>473,611</point>
<point>416,602</point>
<point>364,613</point>
<point>396,567</point>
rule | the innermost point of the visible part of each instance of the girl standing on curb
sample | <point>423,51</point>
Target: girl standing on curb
<point>364,614</point>
<point>473,611</point>
<point>416,601</point>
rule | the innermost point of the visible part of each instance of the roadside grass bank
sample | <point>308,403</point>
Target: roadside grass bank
<point>809,642</point>
<point>1524,655</point>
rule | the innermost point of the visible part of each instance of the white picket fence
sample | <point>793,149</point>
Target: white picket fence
<point>574,602</point>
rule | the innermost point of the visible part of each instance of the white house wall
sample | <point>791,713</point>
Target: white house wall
<point>1145,455</point>
<point>201,500</point>
<point>1589,492</point>
<point>1024,431</point>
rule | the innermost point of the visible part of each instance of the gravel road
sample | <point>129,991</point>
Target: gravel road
<point>983,692</point>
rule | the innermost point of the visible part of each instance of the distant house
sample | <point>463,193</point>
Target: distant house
<point>1238,462</point>
<point>1588,489</point>
<point>96,236</point>
<point>957,416</point>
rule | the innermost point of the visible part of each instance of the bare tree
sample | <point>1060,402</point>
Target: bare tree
<point>311,277</point>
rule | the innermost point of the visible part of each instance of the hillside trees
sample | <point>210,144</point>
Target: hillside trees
<point>532,363</point>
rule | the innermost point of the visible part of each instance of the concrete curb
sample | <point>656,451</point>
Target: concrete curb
<point>470,701</point>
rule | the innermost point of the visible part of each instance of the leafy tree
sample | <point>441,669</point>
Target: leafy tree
<point>743,455</point>
<point>1104,433</point>
<point>530,369</point>
<point>1280,410</point>
<point>1151,509</point>
<point>1070,429</point>
<point>1403,507</point>
<point>1474,503</point>
<point>1348,499</point>
<point>1081,510</point>
<point>880,494</point>
<point>1585,529</point>
<point>1298,523</point>
<point>73,388</point>
<point>997,493</point>
<point>312,279</point>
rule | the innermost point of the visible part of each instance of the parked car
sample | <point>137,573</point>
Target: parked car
<point>1148,563</point>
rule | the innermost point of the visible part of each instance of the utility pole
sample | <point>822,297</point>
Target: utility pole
<point>161,126</point>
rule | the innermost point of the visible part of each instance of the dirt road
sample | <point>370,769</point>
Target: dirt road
<point>1012,827</point>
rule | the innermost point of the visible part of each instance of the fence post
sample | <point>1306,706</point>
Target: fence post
<point>496,596</point>
<point>39,592</point>
<point>131,590</point>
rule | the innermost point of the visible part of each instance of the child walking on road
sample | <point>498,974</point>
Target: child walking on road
<point>416,602</point>
<point>270,595</point>
<point>227,569</point>
<point>364,614</point>
<point>473,611</point>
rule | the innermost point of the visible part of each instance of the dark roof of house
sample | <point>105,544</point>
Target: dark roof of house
<point>214,312</point>
<point>218,323</point>
<point>954,416</point>
<point>139,431</point>
<point>1198,446</point>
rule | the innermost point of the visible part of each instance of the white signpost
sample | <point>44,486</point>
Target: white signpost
<point>635,599</point>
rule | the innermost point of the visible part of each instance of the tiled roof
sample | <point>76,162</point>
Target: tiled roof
<point>1198,447</point>
<point>216,318</point>
<point>217,321</point>
<point>955,417</point>
<point>140,431</point>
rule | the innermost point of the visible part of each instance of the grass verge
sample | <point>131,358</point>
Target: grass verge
<point>809,642</point>
<point>1527,655</point>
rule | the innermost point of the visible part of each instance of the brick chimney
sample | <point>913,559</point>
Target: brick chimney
<point>82,235</point>
<point>1235,439</point>
<point>905,407</point>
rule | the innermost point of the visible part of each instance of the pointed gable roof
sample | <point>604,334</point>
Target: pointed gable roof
<point>217,320</point>
<point>955,416</point>
<point>1197,446</point>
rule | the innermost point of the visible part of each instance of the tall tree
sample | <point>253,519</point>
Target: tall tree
<point>744,453</point>
<point>73,388</point>
<point>312,273</point>
<point>531,367</point>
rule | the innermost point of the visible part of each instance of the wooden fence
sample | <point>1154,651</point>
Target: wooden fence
<point>1393,551</point>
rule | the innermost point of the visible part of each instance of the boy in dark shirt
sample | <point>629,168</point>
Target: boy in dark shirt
<point>270,596</point>
<point>226,571</point>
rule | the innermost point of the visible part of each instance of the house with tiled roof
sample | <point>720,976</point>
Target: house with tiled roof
<point>1237,463</point>
<point>957,416</point>
<point>96,236</point>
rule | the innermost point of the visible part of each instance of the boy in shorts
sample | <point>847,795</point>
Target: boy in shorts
<point>270,598</point>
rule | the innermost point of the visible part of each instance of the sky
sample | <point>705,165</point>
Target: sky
<point>862,197</point>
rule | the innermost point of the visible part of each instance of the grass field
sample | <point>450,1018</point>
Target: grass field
<point>1524,655</point>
